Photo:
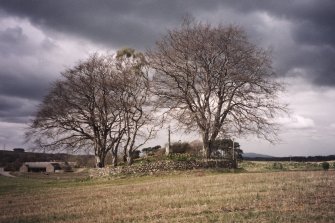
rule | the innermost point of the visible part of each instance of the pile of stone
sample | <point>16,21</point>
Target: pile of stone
<point>164,165</point>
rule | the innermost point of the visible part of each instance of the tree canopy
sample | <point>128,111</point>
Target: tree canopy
<point>213,80</point>
<point>210,79</point>
<point>99,104</point>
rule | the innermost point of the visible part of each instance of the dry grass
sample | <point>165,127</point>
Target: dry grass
<point>270,166</point>
<point>194,196</point>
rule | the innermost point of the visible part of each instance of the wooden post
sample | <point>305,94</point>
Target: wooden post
<point>234,160</point>
<point>233,150</point>
<point>167,149</point>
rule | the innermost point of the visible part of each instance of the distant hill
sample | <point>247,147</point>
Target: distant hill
<point>254,155</point>
<point>262,157</point>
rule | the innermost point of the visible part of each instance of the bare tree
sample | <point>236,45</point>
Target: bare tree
<point>86,109</point>
<point>214,81</point>
<point>138,115</point>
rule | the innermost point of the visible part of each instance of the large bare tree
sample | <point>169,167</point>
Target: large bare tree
<point>87,108</point>
<point>215,81</point>
<point>138,114</point>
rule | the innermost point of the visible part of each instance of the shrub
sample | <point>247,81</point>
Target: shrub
<point>136,154</point>
<point>181,157</point>
<point>278,166</point>
<point>160,153</point>
<point>150,151</point>
<point>196,148</point>
<point>66,167</point>
<point>325,165</point>
<point>180,147</point>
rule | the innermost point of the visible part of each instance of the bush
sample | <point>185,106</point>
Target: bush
<point>180,147</point>
<point>181,157</point>
<point>196,148</point>
<point>325,165</point>
<point>278,166</point>
<point>160,153</point>
<point>150,151</point>
<point>136,154</point>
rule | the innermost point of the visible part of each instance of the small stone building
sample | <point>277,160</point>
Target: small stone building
<point>49,167</point>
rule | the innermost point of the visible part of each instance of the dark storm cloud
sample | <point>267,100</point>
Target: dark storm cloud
<point>15,109</point>
<point>116,23</point>
<point>17,77</point>
<point>24,77</point>
<point>140,23</point>
<point>39,38</point>
<point>26,86</point>
<point>19,96</point>
<point>313,32</point>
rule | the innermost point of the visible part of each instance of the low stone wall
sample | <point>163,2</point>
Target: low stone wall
<point>164,165</point>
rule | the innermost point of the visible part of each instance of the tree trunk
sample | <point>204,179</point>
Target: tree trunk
<point>125,157</point>
<point>206,148</point>
<point>235,163</point>
<point>114,160</point>
<point>97,161</point>
<point>129,157</point>
<point>100,156</point>
<point>102,160</point>
<point>129,160</point>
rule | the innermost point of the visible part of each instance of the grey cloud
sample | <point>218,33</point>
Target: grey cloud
<point>24,79</point>
<point>305,41</point>
<point>13,41</point>
<point>12,37</point>
<point>18,77</point>
<point>116,23</point>
<point>24,86</point>
<point>140,23</point>
<point>312,31</point>
<point>317,62</point>
<point>321,65</point>
<point>16,110</point>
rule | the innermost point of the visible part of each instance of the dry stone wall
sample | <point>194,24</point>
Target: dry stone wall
<point>164,165</point>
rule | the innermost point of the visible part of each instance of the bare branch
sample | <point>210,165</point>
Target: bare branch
<point>213,80</point>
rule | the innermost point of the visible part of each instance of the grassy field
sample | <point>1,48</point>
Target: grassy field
<point>270,166</point>
<point>192,196</point>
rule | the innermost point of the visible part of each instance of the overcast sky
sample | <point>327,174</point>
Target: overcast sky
<point>40,38</point>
